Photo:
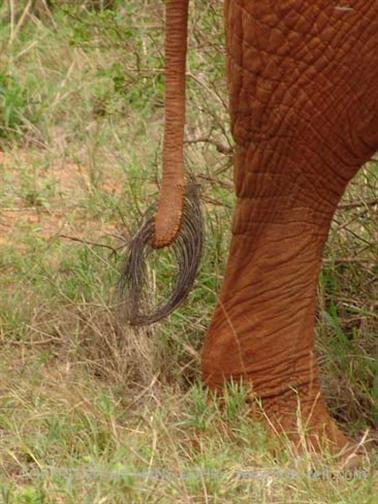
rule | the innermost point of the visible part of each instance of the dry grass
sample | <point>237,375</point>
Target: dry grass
<point>90,410</point>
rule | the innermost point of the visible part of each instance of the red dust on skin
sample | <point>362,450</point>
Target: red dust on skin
<point>303,100</point>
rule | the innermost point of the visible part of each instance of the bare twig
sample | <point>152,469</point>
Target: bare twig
<point>350,206</point>
<point>214,182</point>
<point>349,260</point>
<point>92,243</point>
<point>214,202</point>
<point>223,149</point>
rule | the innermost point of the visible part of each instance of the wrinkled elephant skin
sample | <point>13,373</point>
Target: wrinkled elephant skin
<point>303,83</point>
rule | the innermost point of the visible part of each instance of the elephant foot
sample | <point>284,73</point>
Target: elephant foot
<point>310,429</point>
<point>300,417</point>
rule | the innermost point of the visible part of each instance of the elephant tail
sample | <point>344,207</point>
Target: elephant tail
<point>177,223</point>
<point>171,200</point>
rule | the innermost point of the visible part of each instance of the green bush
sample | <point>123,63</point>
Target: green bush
<point>12,106</point>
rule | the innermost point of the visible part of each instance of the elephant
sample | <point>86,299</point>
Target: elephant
<point>303,101</point>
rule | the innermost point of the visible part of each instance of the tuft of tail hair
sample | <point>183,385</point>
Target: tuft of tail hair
<point>187,250</point>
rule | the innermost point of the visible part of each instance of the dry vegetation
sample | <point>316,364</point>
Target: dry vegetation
<point>93,411</point>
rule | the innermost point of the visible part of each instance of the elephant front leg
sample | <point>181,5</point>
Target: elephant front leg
<point>262,330</point>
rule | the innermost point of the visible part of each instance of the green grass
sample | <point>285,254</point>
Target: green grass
<point>90,410</point>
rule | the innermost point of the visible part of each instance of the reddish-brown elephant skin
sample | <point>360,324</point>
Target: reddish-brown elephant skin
<point>303,84</point>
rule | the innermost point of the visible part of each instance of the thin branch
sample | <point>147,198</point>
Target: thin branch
<point>92,243</point>
<point>215,182</point>
<point>349,260</point>
<point>350,206</point>
<point>223,149</point>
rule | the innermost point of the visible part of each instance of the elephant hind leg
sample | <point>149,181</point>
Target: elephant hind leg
<point>303,127</point>
<point>303,417</point>
<point>263,327</point>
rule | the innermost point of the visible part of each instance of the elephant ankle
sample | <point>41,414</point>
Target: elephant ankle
<point>298,413</point>
<point>306,422</point>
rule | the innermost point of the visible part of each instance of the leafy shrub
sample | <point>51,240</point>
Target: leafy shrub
<point>12,105</point>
